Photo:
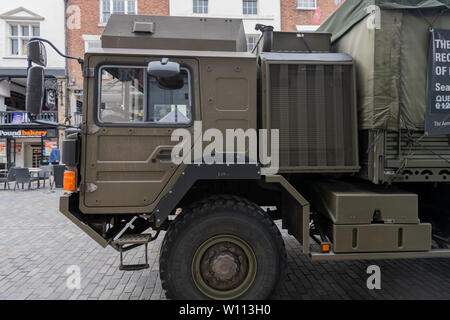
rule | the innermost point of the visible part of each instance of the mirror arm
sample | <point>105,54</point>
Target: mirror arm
<point>80,61</point>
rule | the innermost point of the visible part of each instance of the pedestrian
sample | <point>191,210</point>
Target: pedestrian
<point>55,156</point>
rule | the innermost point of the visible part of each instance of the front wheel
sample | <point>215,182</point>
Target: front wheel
<point>222,248</point>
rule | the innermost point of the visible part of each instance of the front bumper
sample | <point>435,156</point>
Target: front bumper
<point>67,206</point>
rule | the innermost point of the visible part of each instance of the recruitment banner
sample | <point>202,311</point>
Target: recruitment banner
<point>437,120</point>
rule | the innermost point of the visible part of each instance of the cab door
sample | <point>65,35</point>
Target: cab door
<point>128,137</point>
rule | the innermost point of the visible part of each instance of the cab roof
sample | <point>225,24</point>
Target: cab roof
<point>169,53</point>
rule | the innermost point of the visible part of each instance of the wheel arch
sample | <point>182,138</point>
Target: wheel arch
<point>181,191</point>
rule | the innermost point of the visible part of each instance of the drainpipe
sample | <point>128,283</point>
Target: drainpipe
<point>67,107</point>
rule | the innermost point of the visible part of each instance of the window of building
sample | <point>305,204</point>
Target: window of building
<point>19,35</point>
<point>307,4</point>
<point>108,7</point>
<point>91,41</point>
<point>307,28</point>
<point>92,44</point>
<point>251,42</point>
<point>200,6</point>
<point>250,7</point>
<point>130,95</point>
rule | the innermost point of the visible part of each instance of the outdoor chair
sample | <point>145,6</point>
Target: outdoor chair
<point>44,174</point>
<point>10,177</point>
<point>23,176</point>
<point>2,172</point>
<point>58,176</point>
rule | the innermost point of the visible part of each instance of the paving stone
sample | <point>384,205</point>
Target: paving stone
<point>36,268</point>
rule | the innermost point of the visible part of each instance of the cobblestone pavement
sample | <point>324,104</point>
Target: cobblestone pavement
<point>38,244</point>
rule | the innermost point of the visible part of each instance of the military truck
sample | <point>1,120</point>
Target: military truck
<point>157,76</point>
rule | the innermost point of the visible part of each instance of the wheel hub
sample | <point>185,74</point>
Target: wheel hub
<point>224,266</point>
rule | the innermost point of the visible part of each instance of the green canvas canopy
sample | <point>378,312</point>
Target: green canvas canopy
<point>390,46</point>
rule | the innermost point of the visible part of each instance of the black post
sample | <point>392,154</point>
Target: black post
<point>15,151</point>
<point>8,153</point>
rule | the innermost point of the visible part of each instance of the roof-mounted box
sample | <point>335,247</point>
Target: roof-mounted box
<point>174,33</point>
<point>306,42</point>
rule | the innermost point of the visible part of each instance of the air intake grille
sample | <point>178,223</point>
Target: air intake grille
<point>313,107</point>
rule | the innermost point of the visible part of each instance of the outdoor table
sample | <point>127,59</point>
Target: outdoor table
<point>34,171</point>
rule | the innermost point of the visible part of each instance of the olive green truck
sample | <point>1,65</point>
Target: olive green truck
<point>357,178</point>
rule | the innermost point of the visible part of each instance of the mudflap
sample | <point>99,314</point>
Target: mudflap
<point>296,212</point>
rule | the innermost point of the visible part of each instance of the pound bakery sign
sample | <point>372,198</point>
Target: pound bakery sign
<point>27,133</point>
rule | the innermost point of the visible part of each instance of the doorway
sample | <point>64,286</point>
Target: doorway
<point>36,155</point>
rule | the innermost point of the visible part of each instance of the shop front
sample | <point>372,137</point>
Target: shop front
<point>28,147</point>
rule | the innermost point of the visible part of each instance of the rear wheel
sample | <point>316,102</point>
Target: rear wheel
<point>222,248</point>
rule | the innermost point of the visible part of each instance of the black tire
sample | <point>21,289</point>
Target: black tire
<point>243,232</point>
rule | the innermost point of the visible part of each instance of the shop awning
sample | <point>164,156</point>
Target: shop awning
<point>22,73</point>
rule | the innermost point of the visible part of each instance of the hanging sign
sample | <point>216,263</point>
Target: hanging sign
<point>437,120</point>
<point>51,98</point>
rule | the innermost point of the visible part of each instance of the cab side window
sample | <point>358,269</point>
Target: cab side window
<point>122,97</point>
<point>130,95</point>
<point>169,100</point>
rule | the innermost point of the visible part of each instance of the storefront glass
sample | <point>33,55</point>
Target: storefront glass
<point>27,147</point>
<point>3,157</point>
<point>48,146</point>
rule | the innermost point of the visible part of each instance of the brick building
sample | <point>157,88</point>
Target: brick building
<point>306,15</point>
<point>86,20</point>
<point>251,12</point>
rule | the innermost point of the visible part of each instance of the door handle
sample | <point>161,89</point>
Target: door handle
<point>164,156</point>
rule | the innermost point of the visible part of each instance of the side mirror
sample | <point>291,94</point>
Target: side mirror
<point>37,53</point>
<point>35,90</point>
<point>163,68</point>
